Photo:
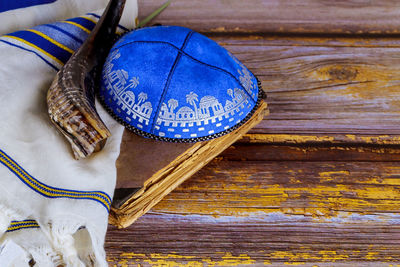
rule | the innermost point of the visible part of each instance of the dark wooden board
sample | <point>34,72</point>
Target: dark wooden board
<point>302,152</point>
<point>157,240</point>
<point>281,16</point>
<point>324,85</point>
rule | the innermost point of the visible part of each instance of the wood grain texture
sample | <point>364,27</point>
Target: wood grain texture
<point>325,85</point>
<point>322,190</point>
<point>257,212</point>
<point>157,240</point>
<point>281,16</point>
<point>301,152</point>
<point>321,139</point>
<point>317,183</point>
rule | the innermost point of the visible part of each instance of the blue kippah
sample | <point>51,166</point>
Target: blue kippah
<point>171,83</point>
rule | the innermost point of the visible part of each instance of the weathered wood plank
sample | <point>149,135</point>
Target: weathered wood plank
<point>316,189</point>
<point>255,212</point>
<point>319,139</point>
<point>281,16</point>
<point>176,240</point>
<point>302,152</point>
<point>326,85</point>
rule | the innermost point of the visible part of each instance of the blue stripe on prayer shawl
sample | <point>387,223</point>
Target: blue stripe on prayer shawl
<point>6,5</point>
<point>50,191</point>
<point>57,52</point>
<point>71,35</point>
<point>88,24</point>
<point>54,43</point>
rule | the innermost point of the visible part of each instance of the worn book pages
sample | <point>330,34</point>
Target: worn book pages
<point>148,170</point>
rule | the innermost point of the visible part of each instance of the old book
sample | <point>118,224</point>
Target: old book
<point>148,170</point>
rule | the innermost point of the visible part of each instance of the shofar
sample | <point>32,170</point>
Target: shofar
<point>71,97</point>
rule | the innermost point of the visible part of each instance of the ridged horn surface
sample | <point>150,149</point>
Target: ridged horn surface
<point>71,97</point>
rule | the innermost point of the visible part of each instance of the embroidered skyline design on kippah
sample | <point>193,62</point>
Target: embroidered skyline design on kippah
<point>187,95</point>
<point>210,110</point>
<point>50,191</point>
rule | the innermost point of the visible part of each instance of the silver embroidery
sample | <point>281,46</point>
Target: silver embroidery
<point>207,110</point>
<point>117,83</point>
<point>199,111</point>
<point>245,78</point>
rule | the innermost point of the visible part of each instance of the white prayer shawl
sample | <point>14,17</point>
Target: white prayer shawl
<point>24,18</point>
<point>53,208</point>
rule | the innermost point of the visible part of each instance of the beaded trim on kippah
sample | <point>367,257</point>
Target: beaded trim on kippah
<point>261,96</point>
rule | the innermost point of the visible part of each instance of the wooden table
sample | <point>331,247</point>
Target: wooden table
<point>317,183</point>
